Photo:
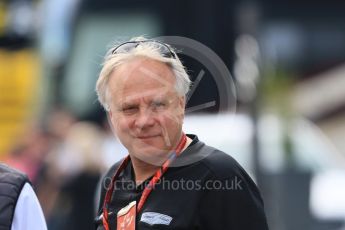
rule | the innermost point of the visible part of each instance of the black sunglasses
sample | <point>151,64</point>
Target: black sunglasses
<point>163,48</point>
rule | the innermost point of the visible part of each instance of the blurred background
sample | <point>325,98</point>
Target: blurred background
<point>287,60</point>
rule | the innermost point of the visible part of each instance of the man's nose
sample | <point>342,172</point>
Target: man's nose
<point>144,119</point>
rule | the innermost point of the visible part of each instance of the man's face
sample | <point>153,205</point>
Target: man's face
<point>145,109</point>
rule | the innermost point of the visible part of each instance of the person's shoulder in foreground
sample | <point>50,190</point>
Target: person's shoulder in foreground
<point>20,207</point>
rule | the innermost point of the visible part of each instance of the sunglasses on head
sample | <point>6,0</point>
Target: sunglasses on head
<point>163,48</point>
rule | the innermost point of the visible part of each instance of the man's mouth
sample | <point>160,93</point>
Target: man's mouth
<point>143,137</point>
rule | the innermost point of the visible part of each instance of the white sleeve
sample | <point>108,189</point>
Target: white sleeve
<point>28,213</point>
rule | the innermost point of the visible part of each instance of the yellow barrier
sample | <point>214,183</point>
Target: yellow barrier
<point>19,80</point>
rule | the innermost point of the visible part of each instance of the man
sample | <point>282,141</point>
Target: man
<point>19,207</point>
<point>169,180</point>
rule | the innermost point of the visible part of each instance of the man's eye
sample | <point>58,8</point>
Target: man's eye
<point>130,110</point>
<point>158,105</point>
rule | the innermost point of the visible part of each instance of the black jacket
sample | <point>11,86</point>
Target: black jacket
<point>11,184</point>
<point>204,189</point>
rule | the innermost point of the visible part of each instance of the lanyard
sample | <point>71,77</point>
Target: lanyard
<point>157,176</point>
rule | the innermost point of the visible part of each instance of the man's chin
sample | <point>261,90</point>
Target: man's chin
<point>151,155</point>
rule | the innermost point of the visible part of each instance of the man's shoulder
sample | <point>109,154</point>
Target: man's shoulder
<point>12,177</point>
<point>221,164</point>
<point>106,179</point>
<point>104,184</point>
<point>6,170</point>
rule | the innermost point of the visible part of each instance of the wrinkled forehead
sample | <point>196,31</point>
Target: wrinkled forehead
<point>141,78</point>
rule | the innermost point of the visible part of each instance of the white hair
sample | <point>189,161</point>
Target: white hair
<point>145,49</point>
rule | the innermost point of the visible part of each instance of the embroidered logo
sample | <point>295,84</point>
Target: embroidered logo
<point>152,218</point>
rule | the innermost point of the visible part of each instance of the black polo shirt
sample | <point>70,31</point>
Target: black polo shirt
<point>203,189</point>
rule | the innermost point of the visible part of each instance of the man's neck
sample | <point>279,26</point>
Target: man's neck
<point>144,170</point>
